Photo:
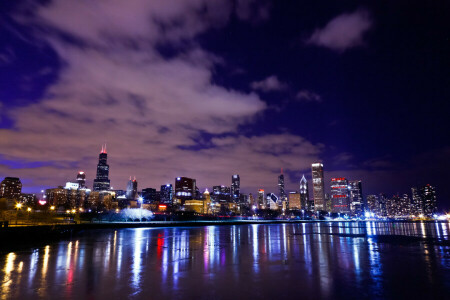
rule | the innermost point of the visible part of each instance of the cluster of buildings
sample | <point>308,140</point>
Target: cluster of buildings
<point>345,197</point>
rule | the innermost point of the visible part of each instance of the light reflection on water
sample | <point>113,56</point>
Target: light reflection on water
<point>314,260</point>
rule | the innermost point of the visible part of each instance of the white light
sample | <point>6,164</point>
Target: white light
<point>178,178</point>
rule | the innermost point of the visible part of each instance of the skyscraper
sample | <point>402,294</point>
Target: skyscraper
<point>185,188</point>
<point>428,194</point>
<point>340,202</point>
<point>235,187</point>
<point>148,195</point>
<point>318,186</point>
<point>295,200</point>
<point>261,202</point>
<point>166,194</point>
<point>81,179</point>
<point>416,204</point>
<point>281,190</point>
<point>101,182</point>
<point>356,199</point>
<point>11,188</point>
<point>132,189</point>
<point>304,194</point>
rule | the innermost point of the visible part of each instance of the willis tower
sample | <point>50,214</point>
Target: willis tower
<point>101,182</point>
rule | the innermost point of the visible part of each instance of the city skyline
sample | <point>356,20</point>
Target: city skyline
<point>215,89</point>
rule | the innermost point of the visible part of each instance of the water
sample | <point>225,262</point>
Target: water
<point>294,261</point>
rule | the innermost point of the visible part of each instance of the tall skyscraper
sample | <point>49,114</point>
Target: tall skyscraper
<point>185,188</point>
<point>235,187</point>
<point>340,202</point>
<point>11,188</point>
<point>416,204</point>
<point>428,194</point>
<point>356,199</point>
<point>373,204</point>
<point>318,186</point>
<point>304,194</point>
<point>132,186</point>
<point>261,202</point>
<point>166,194</point>
<point>281,189</point>
<point>101,182</point>
<point>81,179</point>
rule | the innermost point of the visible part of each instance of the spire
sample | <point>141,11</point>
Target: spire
<point>105,148</point>
<point>102,149</point>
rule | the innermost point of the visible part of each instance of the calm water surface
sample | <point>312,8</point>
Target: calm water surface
<point>295,261</point>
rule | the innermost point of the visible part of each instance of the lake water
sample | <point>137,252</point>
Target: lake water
<point>279,261</point>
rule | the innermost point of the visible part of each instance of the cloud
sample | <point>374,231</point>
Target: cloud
<point>161,117</point>
<point>308,96</point>
<point>271,83</point>
<point>252,10</point>
<point>343,32</point>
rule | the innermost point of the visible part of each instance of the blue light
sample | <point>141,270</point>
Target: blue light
<point>178,178</point>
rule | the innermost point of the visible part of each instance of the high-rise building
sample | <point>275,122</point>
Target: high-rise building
<point>382,203</point>
<point>132,186</point>
<point>318,186</point>
<point>373,204</point>
<point>166,194</point>
<point>221,193</point>
<point>261,202</point>
<point>148,195</point>
<point>428,194</point>
<point>295,200</point>
<point>102,182</point>
<point>81,180</point>
<point>416,203</point>
<point>340,202</point>
<point>185,188</point>
<point>11,188</point>
<point>272,201</point>
<point>281,190</point>
<point>356,198</point>
<point>235,187</point>
<point>304,194</point>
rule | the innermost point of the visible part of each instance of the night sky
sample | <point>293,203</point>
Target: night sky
<point>207,89</point>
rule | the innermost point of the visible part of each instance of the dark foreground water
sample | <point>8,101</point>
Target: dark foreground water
<point>295,261</point>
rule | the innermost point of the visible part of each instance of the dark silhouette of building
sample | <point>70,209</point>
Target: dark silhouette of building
<point>357,204</point>
<point>11,188</point>
<point>132,189</point>
<point>166,194</point>
<point>81,179</point>
<point>102,182</point>
<point>340,202</point>
<point>304,195</point>
<point>281,190</point>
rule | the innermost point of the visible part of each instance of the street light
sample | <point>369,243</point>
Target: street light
<point>52,207</point>
<point>18,205</point>
<point>29,209</point>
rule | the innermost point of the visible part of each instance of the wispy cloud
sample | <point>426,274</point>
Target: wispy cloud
<point>308,96</point>
<point>343,32</point>
<point>271,83</point>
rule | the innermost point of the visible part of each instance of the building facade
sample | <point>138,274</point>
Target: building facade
<point>318,186</point>
<point>340,201</point>
<point>235,187</point>
<point>101,181</point>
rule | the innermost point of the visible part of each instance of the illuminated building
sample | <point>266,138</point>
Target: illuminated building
<point>221,193</point>
<point>404,207</point>
<point>340,202</point>
<point>382,205</point>
<point>132,189</point>
<point>373,204</point>
<point>57,197</point>
<point>102,182</point>
<point>11,188</point>
<point>235,187</point>
<point>185,188</point>
<point>281,190</point>
<point>206,202</point>
<point>318,186</point>
<point>252,201</point>
<point>272,201</point>
<point>428,195</point>
<point>295,200</point>
<point>81,180</point>
<point>194,205</point>
<point>261,202</point>
<point>356,198</point>
<point>416,204</point>
<point>166,194</point>
<point>304,194</point>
